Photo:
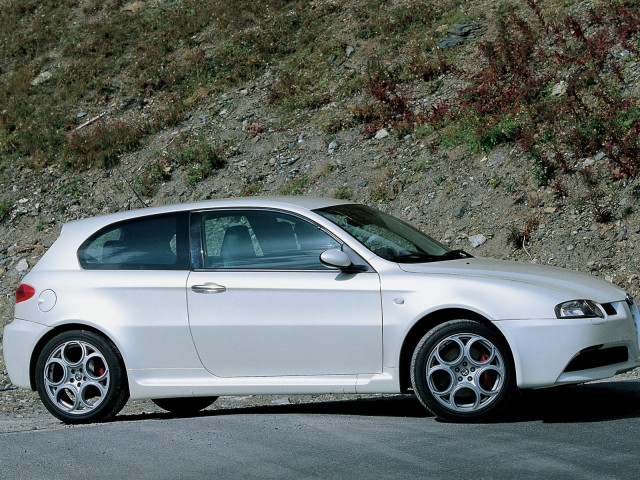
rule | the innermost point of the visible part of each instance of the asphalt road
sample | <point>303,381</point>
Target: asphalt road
<point>589,431</point>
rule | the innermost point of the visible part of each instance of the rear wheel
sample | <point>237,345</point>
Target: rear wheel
<point>462,371</point>
<point>80,379</point>
<point>184,406</point>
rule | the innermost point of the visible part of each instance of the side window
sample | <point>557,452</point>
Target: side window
<point>156,242</point>
<point>262,240</point>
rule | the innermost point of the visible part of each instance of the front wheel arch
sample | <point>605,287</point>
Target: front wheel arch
<point>429,322</point>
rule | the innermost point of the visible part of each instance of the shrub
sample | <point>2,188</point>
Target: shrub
<point>5,208</point>
<point>295,186</point>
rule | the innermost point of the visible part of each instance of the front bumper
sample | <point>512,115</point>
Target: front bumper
<point>552,352</point>
<point>19,340</point>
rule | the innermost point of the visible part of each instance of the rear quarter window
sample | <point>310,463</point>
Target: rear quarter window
<point>158,242</point>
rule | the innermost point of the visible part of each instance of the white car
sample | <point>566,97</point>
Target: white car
<point>184,303</point>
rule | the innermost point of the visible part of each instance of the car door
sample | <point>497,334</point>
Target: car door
<point>262,304</point>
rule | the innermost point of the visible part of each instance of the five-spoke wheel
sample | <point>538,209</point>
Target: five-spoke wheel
<point>79,377</point>
<point>461,371</point>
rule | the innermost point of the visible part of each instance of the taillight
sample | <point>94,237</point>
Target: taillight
<point>24,292</point>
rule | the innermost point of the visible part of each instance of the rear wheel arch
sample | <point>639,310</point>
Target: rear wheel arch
<point>428,323</point>
<point>35,354</point>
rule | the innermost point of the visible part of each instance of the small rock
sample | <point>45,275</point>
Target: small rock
<point>449,234</point>
<point>586,162</point>
<point>41,78</point>
<point>460,33</point>
<point>22,265</point>
<point>476,203</point>
<point>81,114</point>
<point>333,145</point>
<point>477,240</point>
<point>570,248</point>
<point>362,184</point>
<point>458,210</point>
<point>623,202</point>
<point>606,254</point>
<point>349,50</point>
<point>622,234</point>
<point>382,133</point>
<point>464,29</point>
<point>244,92</point>
<point>559,89</point>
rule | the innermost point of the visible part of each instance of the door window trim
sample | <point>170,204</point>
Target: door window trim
<point>197,247</point>
<point>182,244</point>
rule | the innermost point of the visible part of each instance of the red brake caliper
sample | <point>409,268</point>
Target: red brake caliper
<point>487,379</point>
<point>100,370</point>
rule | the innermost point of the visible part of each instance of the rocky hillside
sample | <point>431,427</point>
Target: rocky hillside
<point>507,131</point>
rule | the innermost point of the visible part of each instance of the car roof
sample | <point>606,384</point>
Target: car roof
<point>291,203</point>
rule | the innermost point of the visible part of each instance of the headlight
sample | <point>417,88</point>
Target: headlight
<point>579,309</point>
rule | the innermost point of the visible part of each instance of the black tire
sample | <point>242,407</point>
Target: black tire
<point>462,371</point>
<point>184,406</point>
<point>80,377</point>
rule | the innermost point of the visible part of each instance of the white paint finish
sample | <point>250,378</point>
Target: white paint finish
<point>143,312</point>
<point>287,323</point>
<point>47,300</point>
<point>543,348</point>
<point>575,285</point>
<point>18,341</point>
<point>164,383</point>
<point>305,332</point>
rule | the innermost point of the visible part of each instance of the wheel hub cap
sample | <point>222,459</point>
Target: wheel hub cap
<point>465,372</point>
<point>76,377</point>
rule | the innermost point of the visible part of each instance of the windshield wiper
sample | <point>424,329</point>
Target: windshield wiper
<point>414,258</point>
<point>455,254</point>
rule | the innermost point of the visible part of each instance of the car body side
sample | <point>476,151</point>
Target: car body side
<point>164,362</point>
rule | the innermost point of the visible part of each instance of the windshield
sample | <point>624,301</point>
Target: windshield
<point>387,236</point>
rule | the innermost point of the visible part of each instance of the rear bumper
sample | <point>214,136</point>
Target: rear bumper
<point>19,340</point>
<point>552,352</point>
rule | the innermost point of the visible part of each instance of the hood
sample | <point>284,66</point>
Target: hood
<point>574,285</point>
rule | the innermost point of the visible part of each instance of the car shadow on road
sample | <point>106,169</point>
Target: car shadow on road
<point>595,402</point>
<point>379,406</point>
<point>592,402</point>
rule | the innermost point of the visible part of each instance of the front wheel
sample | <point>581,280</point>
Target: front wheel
<point>462,371</point>
<point>80,377</point>
<point>184,406</point>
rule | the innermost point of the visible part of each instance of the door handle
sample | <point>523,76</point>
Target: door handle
<point>209,288</point>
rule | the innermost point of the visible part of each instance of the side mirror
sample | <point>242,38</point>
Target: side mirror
<point>335,258</point>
